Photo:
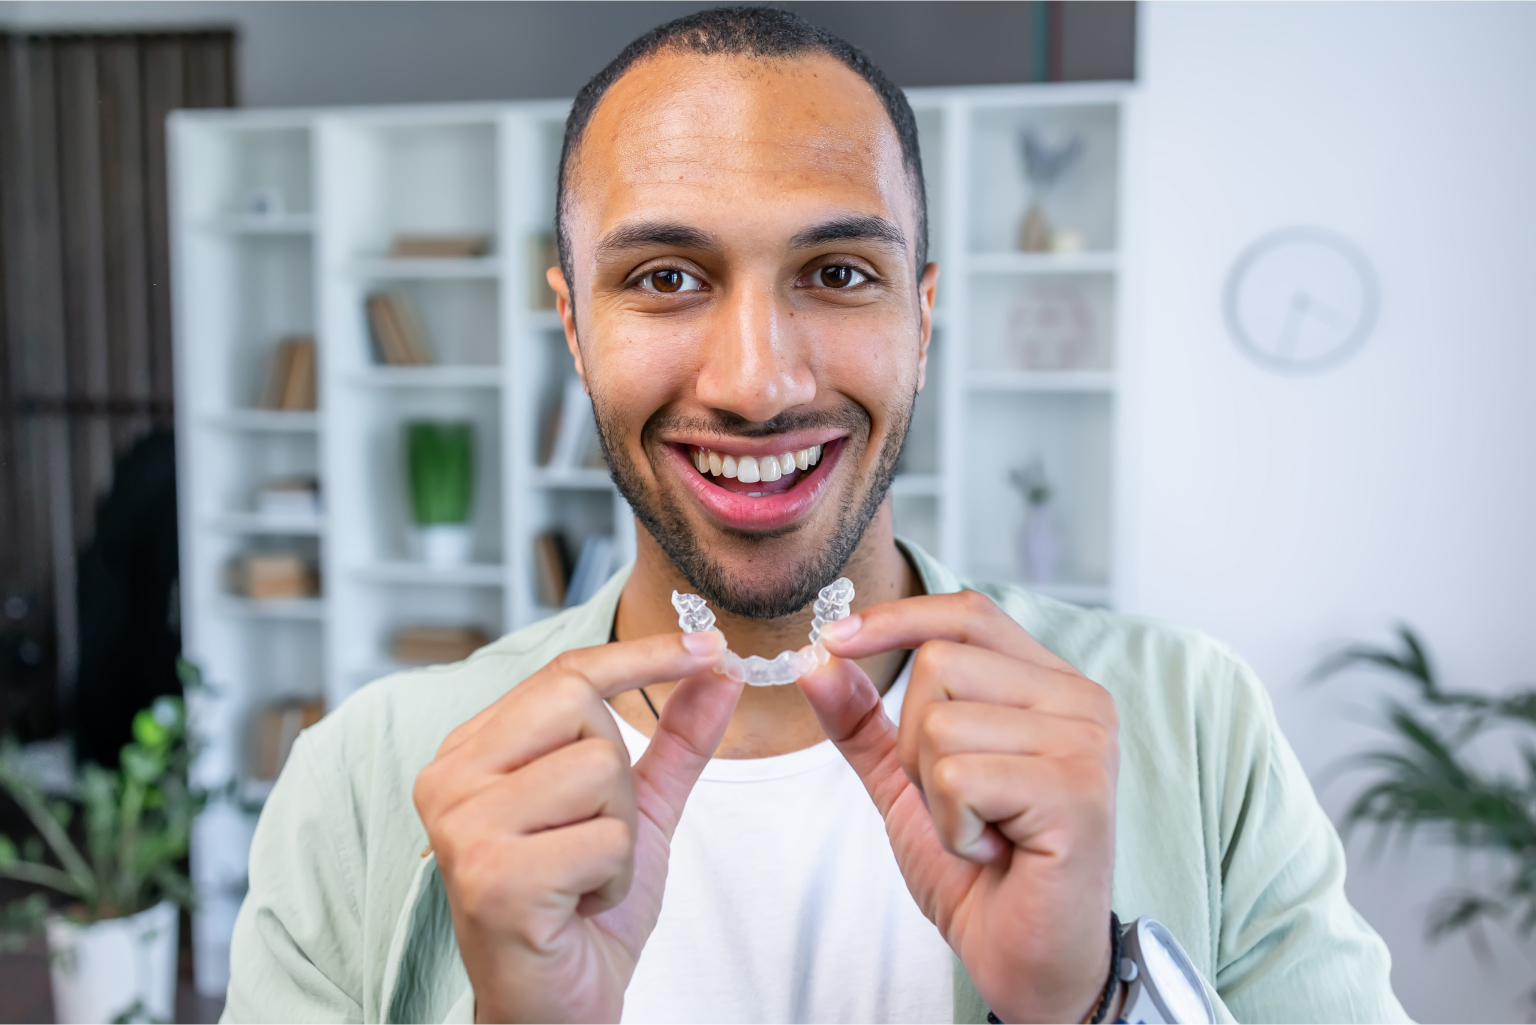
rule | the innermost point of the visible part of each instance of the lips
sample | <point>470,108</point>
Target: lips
<point>758,505</point>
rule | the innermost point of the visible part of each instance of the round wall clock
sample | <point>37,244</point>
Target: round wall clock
<point>1301,300</point>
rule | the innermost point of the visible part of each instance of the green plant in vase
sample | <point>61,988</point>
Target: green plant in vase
<point>440,464</point>
<point>113,946</point>
<point>1433,776</point>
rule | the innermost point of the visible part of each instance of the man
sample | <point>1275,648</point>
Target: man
<point>585,821</point>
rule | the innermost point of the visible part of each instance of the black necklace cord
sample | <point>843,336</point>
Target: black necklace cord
<point>648,704</point>
<point>613,636</point>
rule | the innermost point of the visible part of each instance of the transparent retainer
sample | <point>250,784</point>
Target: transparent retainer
<point>832,604</point>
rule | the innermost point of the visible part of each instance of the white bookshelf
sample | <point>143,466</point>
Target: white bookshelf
<point>350,180</point>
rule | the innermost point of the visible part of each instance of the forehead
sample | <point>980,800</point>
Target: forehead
<point>707,137</point>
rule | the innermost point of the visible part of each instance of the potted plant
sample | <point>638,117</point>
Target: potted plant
<point>112,939</point>
<point>439,458</point>
<point>1434,775</point>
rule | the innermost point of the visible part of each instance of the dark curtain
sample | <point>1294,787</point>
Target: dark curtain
<point>85,312</point>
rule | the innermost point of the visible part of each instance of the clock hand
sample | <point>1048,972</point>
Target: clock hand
<point>1292,326</point>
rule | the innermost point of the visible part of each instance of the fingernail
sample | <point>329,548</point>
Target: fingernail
<point>709,642</point>
<point>842,629</point>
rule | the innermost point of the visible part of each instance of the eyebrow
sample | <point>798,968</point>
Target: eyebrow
<point>858,228</point>
<point>862,228</point>
<point>655,233</point>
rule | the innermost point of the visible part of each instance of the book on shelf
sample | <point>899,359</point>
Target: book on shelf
<point>273,575</point>
<point>291,375</point>
<point>439,247</point>
<point>277,727</point>
<point>542,255</point>
<point>552,568</point>
<point>399,338</point>
<point>593,568</point>
<point>435,645</point>
<point>572,432</point>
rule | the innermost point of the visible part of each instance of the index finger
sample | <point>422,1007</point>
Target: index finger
<point>603,670</point>
<point>964,617</point>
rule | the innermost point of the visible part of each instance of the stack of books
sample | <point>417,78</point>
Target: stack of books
<point>561,586</point>
<point>570,436</point>
<point>290,382</point>
<point>272,575</point>
<point>277,727</point>
<point>439,247</point>
<point>434,645</point>
<point>399,339</point>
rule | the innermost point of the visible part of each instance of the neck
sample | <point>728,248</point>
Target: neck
<point>768,720</point>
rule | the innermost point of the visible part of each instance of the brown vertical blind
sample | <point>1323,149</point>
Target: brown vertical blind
<point>85,307</point>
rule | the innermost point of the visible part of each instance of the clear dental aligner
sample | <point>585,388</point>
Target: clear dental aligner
<point>832,604</point>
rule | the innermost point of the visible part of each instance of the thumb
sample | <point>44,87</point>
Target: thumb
<point>692,723</point>
<point>849,709</point>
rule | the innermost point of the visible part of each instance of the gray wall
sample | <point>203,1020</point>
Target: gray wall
<point>367,52</point>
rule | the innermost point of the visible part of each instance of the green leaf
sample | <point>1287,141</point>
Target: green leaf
<point>148,730</point>
<point>8,853</point>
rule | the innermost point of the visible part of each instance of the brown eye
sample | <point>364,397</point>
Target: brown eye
<point>669,280</point>
<point>838,276</point>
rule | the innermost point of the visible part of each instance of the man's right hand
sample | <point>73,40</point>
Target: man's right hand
<point>553,850</point>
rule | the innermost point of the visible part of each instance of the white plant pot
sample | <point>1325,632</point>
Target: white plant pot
<point>444,544</point>
<point>102,971</point>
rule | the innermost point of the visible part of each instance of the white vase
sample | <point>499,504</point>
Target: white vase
<point>444,544</point>
<point>1040,544</point>
<point>119,966</point>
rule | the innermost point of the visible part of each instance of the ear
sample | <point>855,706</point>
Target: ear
<point>927,291</point>
<point>567,310</point>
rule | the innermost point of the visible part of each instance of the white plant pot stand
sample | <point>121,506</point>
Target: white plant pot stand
<point>120,966</point>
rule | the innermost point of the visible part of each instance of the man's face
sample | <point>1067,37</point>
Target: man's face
<point>742,238</point>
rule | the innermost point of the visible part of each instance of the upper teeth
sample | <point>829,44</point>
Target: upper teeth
<point>751,469</point>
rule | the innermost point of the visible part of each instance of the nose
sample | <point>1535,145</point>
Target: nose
<point>754,365</point>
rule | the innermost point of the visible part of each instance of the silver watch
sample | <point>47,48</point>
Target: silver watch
<point>1161,984</point>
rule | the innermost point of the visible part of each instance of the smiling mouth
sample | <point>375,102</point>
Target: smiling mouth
<point>754,476</point>
<point>759,491</point>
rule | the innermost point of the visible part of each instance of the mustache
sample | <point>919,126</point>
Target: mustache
<point>851,417</point>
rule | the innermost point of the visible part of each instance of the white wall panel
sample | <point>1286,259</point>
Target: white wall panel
<point>1284,514</point>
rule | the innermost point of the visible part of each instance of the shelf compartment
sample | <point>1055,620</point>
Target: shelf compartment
<point>427,377</point>
<point>476,574</point>
<point>1085,199</point>
<point>261,224</point>
<point>1072,434</point>
<point>571,480</point>
<point>265,420</point>
<point>1045,323</point>
<point>257,523</point>
<point>1088,382</point>
<point>384,268</point>
<point>308,609</point>
<point>1102,262</point>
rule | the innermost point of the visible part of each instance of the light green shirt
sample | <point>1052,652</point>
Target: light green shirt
<point>1218,834</point>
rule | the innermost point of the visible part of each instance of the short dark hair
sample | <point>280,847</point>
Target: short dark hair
<point>762,33</point>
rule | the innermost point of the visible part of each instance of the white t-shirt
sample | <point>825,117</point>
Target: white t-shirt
<point>784,902</point>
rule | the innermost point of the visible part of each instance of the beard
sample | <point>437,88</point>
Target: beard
<point>821,560</point>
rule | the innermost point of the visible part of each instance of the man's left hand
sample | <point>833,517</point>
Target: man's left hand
<point>998,792</point>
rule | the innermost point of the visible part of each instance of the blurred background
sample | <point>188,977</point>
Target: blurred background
<point>1231,333</point>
